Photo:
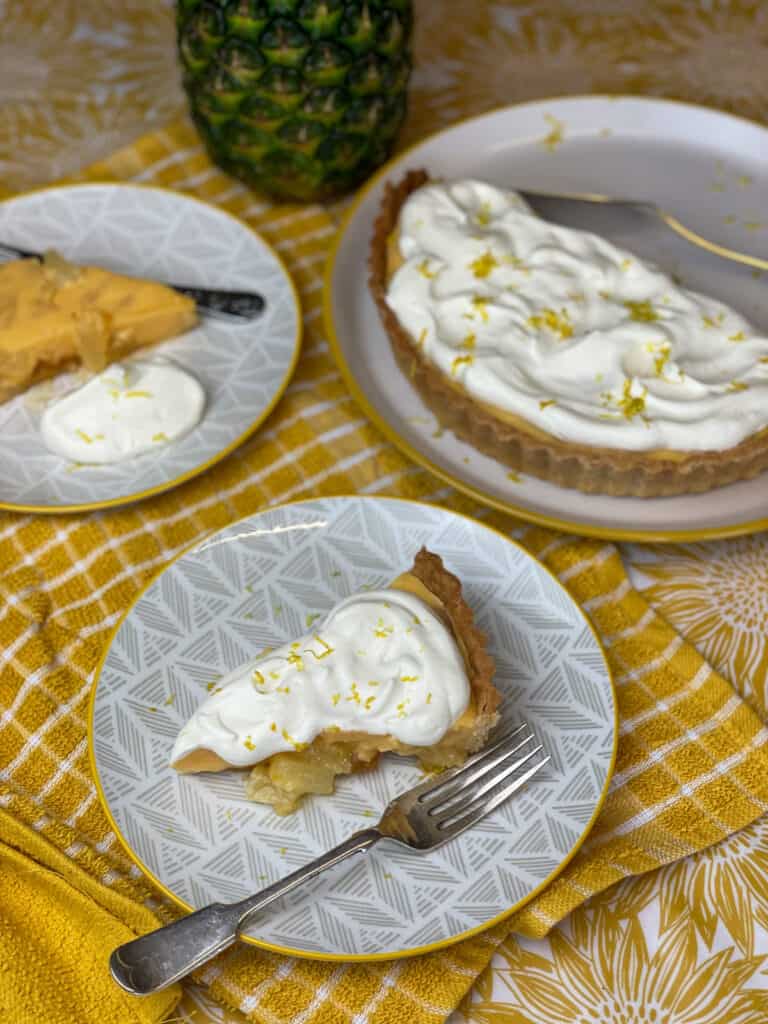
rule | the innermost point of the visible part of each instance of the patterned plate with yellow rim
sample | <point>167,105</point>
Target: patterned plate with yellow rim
<point>244,368</point>
<point>257,583</point>
<point>708,168</point>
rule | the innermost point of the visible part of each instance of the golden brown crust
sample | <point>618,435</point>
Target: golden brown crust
<point>591,469</point>
<point>429,569</point>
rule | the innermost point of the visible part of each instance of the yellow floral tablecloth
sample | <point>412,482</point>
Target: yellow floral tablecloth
<point>80,79</point>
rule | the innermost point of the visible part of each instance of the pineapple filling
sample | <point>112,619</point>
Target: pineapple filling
<point>562,329</point>
<point>283,779</point>
<point>382,672</point>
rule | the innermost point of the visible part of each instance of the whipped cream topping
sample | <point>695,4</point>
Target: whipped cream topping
<point>571,333</point>
<point>125,410</point>
<point>382,662</point>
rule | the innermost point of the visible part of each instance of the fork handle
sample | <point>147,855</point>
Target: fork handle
<point>158,959</point>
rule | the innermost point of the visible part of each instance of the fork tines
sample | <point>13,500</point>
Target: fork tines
<point>485,781</point>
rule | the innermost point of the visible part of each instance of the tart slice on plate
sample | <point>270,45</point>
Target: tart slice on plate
<point>56,316</point>
<point>401,670</point>
<point>561,355</point>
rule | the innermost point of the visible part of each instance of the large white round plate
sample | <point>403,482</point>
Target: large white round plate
<point>244,368</point>
<point>709,168</point>
<point>253,585</point>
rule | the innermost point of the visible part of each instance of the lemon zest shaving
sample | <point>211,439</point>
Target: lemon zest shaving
<point>483,265</point>
<point>480,303</point>
<point>662,359</point>
<point>631,405</point>
<point>555,135</point>
<point>296,659</point>
<point>641,311</point>
<point>558,323</point>
<point>296,744</point>
<point>460,361</point>
<point>483,215</point>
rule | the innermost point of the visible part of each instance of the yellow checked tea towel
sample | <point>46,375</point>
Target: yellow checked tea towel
<point>692,763</point>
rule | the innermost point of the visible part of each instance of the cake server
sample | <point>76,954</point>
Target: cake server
<point>543,202</point>
<point>218,302</point>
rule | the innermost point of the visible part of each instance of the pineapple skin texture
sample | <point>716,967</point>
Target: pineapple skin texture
<point>301,99</point>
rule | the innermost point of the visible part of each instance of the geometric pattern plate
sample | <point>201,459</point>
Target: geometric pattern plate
<point>244,368</point>
<point>708,168</point>
<point>253,585</point>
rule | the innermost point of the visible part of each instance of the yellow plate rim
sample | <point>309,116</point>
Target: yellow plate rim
<point>359,957</point>
<point>128,499</point>
<point>391,434</point>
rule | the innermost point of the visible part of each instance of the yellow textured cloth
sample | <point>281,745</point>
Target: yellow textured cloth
<point>58,925</point>
<point>692,762</point>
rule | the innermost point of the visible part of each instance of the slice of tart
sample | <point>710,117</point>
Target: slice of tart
<point>56,316</point>
<point>400,670</point>
<point>558,353</point>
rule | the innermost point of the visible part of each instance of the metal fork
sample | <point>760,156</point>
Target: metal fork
<point>542,203</point>
<point>422,818</point>
<point>217,302</point>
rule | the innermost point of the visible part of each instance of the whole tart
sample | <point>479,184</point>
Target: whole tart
<point>526,446</point>
<point>281,779</point>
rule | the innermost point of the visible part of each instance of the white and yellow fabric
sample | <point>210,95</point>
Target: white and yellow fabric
<point>684,934</point>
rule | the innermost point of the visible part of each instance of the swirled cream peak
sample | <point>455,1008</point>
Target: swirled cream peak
<point>382,663</point>
<point>572,334</point>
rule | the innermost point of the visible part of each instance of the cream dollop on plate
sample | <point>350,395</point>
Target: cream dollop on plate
<point>572,334</point>
<point>126,410</point>
<point>382,662</point>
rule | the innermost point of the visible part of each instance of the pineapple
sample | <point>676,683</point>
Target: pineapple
<point>298,98</point>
